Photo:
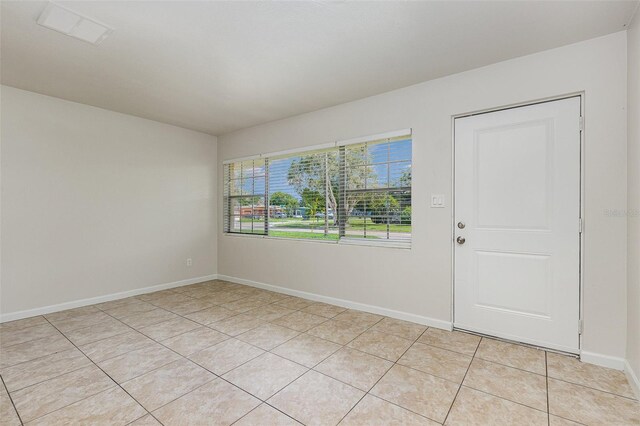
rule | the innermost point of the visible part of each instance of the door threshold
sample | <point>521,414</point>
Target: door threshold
<point>515,342</point>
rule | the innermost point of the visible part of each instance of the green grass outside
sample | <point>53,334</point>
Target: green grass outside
<point>303,235</point>
<point>305,224</point>
<point>313,235</point>
<point>354,223</point>
<point>271,220</point>
<point>359,223</point>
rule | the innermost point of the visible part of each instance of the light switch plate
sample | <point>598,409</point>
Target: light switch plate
<point>437,200</point>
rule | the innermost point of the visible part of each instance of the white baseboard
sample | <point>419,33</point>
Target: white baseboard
<point>431,322</point>
<point>100,299</point>
<point>603,360</point>
<point>633,378</point>
<point>615,363</point>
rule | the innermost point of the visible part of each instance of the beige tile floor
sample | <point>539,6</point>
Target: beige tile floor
<point>218,353</point>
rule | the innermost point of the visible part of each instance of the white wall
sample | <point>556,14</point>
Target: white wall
<point>633,191</point>
<point>96,202</point>
<point>418,281</point>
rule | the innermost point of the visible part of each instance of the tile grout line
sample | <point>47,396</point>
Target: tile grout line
<point>503,365</point>
<point>203,367</point>
<point>164,309</point>
<point>510,366</point>
<point>11,399</point>
<point>258,406</point>
<point>595,389</point>
<point>46,380</point>
<point>226,334</point>
<point>103,338</point>
<point>36,358</point>
<point>463,379</point>
<point>333,353</point>
<point>492,394</point>
<point>396,363</point>
<point>546,374</point>
<point>133,329</point>
<point>308,369</point>
<point>314,336</point>
<point>44,356</point>
<point>504,399</point>
<point>304,366</point>
<point>248,296</point>
<point>5,346</point>
<point>158,342</point>
<point>170,349</point>
<point>265,401</point>
<point>229,337</point>
<point>570,420</point>
<point>546,381</point>
<point>217,376</point>
<point>266,322</point>
<point>393,363</point>
<point>36,339</point>
<point>112,379</point>
<point>182,356</point>
<point>368,392</point>
<point>51,378</point>
<point>343,346</point>
<point>23,328</point>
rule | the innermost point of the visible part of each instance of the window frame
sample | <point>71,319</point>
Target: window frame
<point>340,147</point>
<point>229,197</point>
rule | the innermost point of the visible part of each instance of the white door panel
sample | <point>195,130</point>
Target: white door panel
<point>517,191</point>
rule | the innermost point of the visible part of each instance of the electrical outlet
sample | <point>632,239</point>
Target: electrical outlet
<point>189,262</point>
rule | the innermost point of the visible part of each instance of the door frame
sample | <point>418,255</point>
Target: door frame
<point>581,95</point>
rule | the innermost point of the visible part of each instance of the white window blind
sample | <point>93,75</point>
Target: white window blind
<point>355,192</point>
<point>303,195</point>
<point>377,194</point>
<point>244,197</point>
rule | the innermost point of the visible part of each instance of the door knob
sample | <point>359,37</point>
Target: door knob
<point>460,240</point>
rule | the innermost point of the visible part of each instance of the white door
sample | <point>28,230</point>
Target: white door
<point>517,213</point>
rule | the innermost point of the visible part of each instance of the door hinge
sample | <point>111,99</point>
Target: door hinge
<point>580,326</point>
<point>580,225</point>
<point>581,123</point>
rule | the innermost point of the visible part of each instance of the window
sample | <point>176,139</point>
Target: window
<point>377,194</point>
<point>245,195</point>
<point>349,192</point>
<point>303,195</point>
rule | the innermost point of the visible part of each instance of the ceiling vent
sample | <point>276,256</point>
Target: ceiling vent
<point>73,24</point>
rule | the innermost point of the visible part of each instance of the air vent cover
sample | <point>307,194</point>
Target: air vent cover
<point>68,22</point>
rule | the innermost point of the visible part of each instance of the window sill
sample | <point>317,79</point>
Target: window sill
<point>343,241</point>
